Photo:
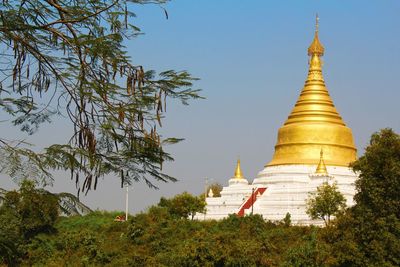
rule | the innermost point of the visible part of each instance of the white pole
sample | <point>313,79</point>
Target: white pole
<point>126,203</point>
<point>205,196</point>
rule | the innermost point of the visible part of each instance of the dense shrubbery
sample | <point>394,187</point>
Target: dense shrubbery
<point>248,241</point>
<point>157,238</point>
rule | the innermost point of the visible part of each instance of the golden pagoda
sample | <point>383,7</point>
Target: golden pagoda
<point>314,123</point>
<point>313,140</point>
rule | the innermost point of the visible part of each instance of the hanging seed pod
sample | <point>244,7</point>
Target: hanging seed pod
<point>104,96</point>
<point>23,54</point>
<point>128,84</point>
<point>165,101</point>
<point>121,114</point>
<point>15,73</point>
<point>140,119</point>
<point>126,16</point>
<point>47,84</point>
<point>91,141</point>
<point>106,67</point>
<point>95,182</point>
<point>76,177</point>
<point>159,119</point>
<point>141,79</point>
<point>134,85</point>
<point>114,66</point>
<point>160,105</point>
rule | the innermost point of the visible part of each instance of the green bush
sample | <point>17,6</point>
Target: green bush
<point>23,215</point>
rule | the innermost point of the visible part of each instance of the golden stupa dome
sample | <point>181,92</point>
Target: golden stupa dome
<point>314,123</point>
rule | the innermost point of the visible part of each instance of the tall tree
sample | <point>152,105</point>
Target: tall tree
<point>183,205</point>
<point>68,57</point>
<point>36,210</point>
<point>369,233</point>
<point>24,214</point>
<point>325,203</point>
<point>379,168</point>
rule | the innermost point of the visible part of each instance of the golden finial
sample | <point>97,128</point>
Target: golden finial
<point>321,168</point>
<point>238,171</point>
<point>316,48</point>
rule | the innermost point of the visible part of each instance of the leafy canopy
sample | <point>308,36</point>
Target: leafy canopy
<point>379,184</point>
<point>67,57</point>
<point>183,205</point>
<point>24,214</point>
<point>326,202</point>
<point>368,233</point>
<point>34,210</point>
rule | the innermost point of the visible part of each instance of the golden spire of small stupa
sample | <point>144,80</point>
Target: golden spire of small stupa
<point>321,168</point>
<point>238,171</point>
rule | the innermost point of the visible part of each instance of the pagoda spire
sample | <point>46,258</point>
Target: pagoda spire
<point>321,168</point>
<point>238,171</point>
<point>314,122</point>
<point>315,103</point>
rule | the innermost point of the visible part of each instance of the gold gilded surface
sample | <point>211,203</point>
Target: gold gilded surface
<point>314,123</point>
<point>321,168</point>
<point>238,171</point>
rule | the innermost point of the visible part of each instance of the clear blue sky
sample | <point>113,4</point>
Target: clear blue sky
<point>251,57</point>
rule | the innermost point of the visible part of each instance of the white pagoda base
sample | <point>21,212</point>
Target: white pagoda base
<point>287,188</point>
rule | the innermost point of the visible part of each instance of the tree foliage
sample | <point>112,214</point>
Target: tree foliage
<point>312,253</point>
<point>369,233</point>
<point>68,204</point>
<point>379,168</point>
<point>155,238</point>
<point>326,202</point>
<point>10,238</point>
<point>68,58</point>
<point>183,205</point>
<point>23,215</point>
<point>287,219</point>
<point>35,210</point>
